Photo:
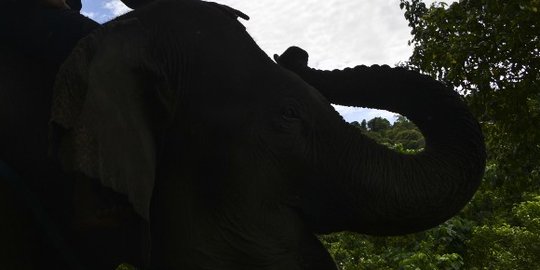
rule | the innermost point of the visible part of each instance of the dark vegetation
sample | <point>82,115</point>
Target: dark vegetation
<point>489,51</point>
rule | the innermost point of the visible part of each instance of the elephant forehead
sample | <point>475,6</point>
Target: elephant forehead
<point>291,85</point>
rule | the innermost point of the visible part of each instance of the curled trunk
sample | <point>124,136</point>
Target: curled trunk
<point>377,190</point>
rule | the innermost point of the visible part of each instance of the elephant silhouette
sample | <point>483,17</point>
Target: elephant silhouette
<point>233,161</point>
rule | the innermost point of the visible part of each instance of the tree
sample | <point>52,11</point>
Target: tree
<point>378,124</point>
<point>410,139</point>
<point>488,51</point>
<point>364,124</point>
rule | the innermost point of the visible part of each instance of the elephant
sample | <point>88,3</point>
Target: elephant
<point>233,161</point>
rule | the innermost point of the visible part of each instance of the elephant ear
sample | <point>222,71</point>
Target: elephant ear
<point>104,105</point>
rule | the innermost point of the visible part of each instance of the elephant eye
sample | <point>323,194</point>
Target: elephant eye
<point>290,113</point>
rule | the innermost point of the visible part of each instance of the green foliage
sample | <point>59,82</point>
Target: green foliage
<point>506,246</point>
<point>378,124</point>
<point>362,126</point>
<point>402,136</point>
<point>489,51</point>
<point>126,266</point>
<point>434,249</point>
<point>528,213</point>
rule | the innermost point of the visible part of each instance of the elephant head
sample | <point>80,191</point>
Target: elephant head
<point>236,161</point>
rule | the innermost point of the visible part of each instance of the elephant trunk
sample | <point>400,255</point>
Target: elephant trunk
<point>379,191</point>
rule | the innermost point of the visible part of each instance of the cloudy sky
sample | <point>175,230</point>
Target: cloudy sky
<point>336,33</point>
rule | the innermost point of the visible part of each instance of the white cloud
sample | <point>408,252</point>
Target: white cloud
<point>116,7</point>
<point>91,15</point>
<point>336,34</point>
<point>351,114</point>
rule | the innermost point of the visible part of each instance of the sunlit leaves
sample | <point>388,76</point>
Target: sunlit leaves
<point>125,266</point>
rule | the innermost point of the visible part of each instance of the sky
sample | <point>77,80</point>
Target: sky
<point>335,33</point>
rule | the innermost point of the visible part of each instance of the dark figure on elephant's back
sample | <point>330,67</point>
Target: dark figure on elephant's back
<point>45,218</point>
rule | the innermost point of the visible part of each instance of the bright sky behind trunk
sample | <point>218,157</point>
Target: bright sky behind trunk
<point>336,33</point>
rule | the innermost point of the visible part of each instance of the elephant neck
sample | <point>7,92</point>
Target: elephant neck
<point>195,227</point>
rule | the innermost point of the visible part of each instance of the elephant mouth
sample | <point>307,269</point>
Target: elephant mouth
<point>99,208</point>
<point>103,219</point>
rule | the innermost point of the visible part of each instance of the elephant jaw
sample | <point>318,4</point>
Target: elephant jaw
<point>214,235</point>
